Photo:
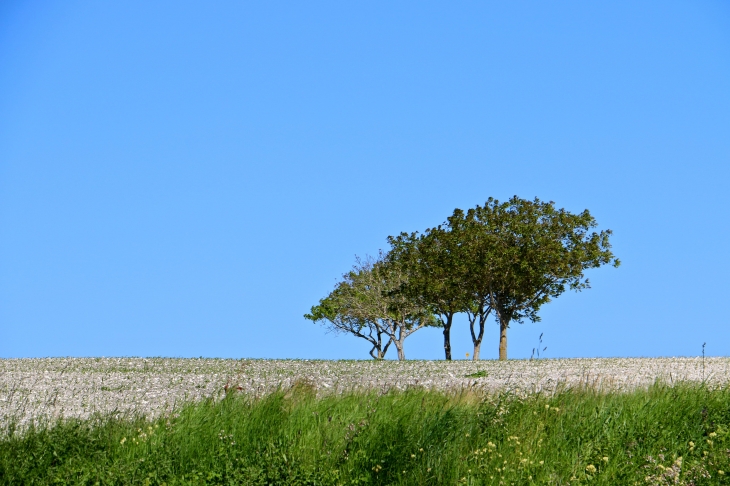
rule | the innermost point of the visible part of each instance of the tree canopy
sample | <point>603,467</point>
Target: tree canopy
<point>366,305</point>
<point>505,259</point>
<point>528,253</point>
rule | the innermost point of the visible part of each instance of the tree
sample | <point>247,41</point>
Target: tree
<point>436,268</point>
<point>527,253</point>
<point>364,304</point>
<point>336,310</point>
<point>474,275</point>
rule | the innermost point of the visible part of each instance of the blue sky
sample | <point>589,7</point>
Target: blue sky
<point>181,179</point>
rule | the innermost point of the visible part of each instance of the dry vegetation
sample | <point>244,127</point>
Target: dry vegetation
<point>42,389</point>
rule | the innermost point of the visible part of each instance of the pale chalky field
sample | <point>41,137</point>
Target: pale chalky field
<point>51,388</point>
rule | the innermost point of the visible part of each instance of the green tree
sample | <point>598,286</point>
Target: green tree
<point>526,253</point>
<point>366,305</point>
<point>337,313</point>
<point>436,265</point>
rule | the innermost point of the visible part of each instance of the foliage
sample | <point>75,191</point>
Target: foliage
<point>660,436</point>
<point>437,267</point>
<point>364,304</point>
<point>507,258</point>
<point>527,253</point>
<point>510,258</point>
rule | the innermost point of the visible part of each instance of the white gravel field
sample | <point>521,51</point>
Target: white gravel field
<point>50,388</point>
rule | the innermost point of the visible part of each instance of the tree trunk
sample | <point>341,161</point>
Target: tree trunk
<point>385,349</point>
<point>503,324</point>
<point>447,336</point>
<point>401,353</point>
<point>378,352</point>
<point>476,339</point>
<point>399,335</point>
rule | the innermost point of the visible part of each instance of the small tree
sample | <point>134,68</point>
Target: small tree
<point>528,253</point>
<point>336,311</point>
<point>366,305</point>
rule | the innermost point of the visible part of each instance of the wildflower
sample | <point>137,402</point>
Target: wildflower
<point>420,450</point>
<point>491,445</point>
<point>709,442</point>
<point>721,472</point>
<point>413,456</point>
<point>529,478</point>
<point>713,434</point>
<point>691,445</point>
<point>547,407</point>
<point>428,470</point>
<point>124,439</point>
<point>542,462</point>
<point>556,409</point>
<point>467,434</point>
<point>605,458</point>
<point>591,469</point>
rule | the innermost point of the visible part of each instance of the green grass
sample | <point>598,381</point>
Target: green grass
<point>412,437</point>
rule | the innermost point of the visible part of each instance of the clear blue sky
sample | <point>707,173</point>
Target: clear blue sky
<point>187,178</point>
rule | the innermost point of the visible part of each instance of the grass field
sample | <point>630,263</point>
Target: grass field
<point>659,436</point>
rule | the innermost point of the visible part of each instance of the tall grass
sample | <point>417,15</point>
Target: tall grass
<point>663,435</point>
